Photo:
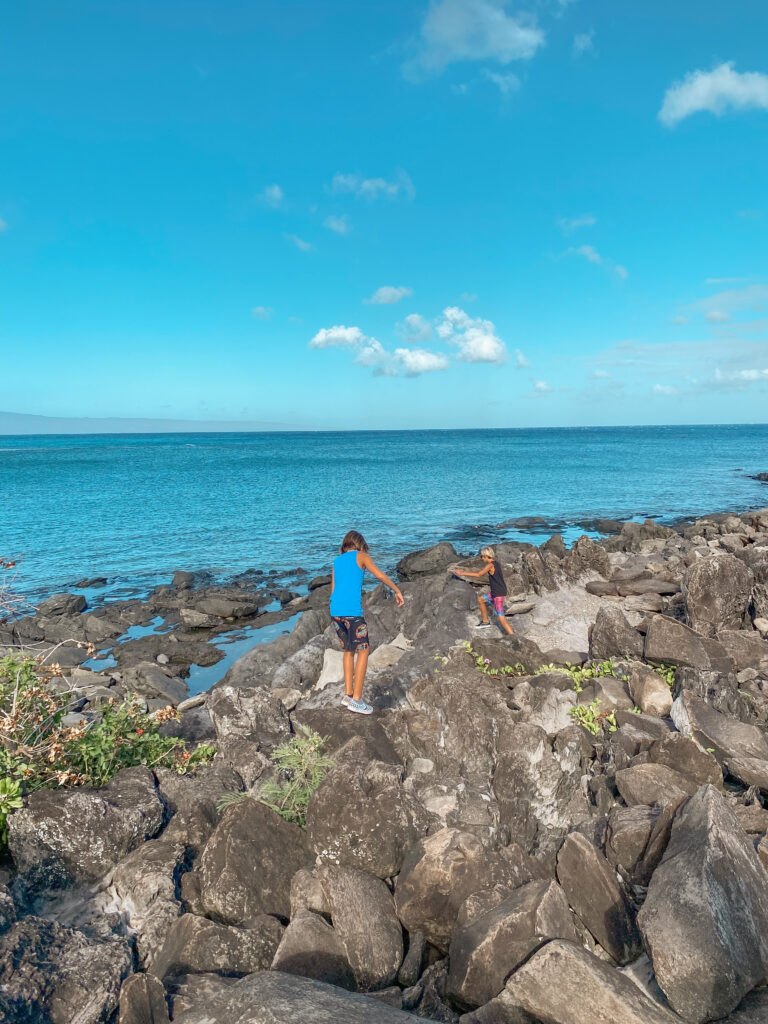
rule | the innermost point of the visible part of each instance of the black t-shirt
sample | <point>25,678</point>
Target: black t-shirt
<point>498,584</point>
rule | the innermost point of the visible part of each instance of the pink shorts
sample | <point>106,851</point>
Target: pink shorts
<point>497,603</point>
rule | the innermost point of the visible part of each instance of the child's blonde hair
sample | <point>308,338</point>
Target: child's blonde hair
<point>487,553</point>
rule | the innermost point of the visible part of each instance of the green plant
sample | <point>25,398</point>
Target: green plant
<point>484,664</point>
<point>592,718</point>
<point>667,673</point>
<point>302,767</point>
<point>580,673</point>
<point>231,798</point>
<point>10,800</point>
<point>38,751</point>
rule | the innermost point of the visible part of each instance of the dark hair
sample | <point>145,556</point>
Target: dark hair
<point>353,541</point>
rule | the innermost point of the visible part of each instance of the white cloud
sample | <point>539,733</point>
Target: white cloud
<point>717,90</point>
<point>468,296</point>
<point>540,387</point>
<point>273,196</point>
<point>621,271</point>
<point>299,242</point>
<point>476,339</point>
<point>262,312</point>
<point>373,188</point>
<point>464,30</point>
<point>521,363</point>
<point>343,336</point>
<point>733,300</point>
<point>664,389</point>
<point>414,361</point>
<point>583,42</point>
<point>590,253</point>
<point>338,224</point>
<point>681,319</point>
<point>741,376</point>
<point>718,316</point>
<point>505,81</point>
<point>372,354</point>
<point>569,224</point>
<point>414,327</point>
<point>388,295</point>
<point>600,375</point>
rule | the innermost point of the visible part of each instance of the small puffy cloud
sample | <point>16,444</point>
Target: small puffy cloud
<point>664,389</point>
<point>475,339</point>
<point>262,312</point>
<point>468,296</point>
<point>681,319</point>
<point>590,253</point>
<point>716,91</point>
<point>466,30</point>
<point>273,196</point>
<point>569,224</point>
<point>717,307</point>
<point>504,81</point>
<point>740,377</point>
<point>521,363</point>
<point>583,42</point>
<point>414,327</point>
<point>718,316</point>
<point>600,375</point>
<point>388,295</point>
<point>372,353</point>
<point>414,361</point>
<point>346,337</point>
<point>299,242</point>
<point>338,224</point>
<point>373,188</point>
<point>621,271</point>
<point>539,388</point>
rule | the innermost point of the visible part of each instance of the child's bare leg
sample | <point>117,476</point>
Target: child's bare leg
<point>349,669</point>
<point>483,607</point>
<point>361,665</point>
<point>505,625</point>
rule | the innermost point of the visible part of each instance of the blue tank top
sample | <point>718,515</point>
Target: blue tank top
<point>347,596</point>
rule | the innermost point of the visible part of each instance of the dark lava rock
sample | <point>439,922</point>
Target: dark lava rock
<point>426,562</point>
<point>717,593</point>
<point>311,948</point>
<point>612,636</point>
<point>142,1001</point>
<point>670,642</point>
<point>62,604</point>
<point>195,945</point>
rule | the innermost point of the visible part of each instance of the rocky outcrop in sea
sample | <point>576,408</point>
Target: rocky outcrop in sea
<point>566,826</point>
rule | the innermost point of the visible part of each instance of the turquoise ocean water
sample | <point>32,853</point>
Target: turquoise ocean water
<point>133,508</point>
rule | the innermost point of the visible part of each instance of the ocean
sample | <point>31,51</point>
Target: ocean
<point>133,508</point>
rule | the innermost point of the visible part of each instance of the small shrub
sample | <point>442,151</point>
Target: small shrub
<point>484,664</point>
<point>592,718</point>
<point>302,767</point>
<point>667,673</point>
<point>231,798</point>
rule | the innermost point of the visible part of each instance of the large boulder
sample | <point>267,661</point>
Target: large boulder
<point>247,864</point>
<point>195,945</point>
<point>78,835</point>
<point>687,757</point>
<point>612,636</point>
<point>361,816</point>
<point>649,691</point>
<point>717,591</point>
<point>586,556</point>
<point>142,1001</point>
<point>652,784</point>
<point>148,679</point>
<point>442,870</point>
<point>726,738</point>
<point>746,649</point>
<point>670,642</point>
<point>486,948</point>
<point>363,915</point>
<point>427,562</point>
<point>192,801</point>
<point>249,713</point>
<point>311,948</point>
<point>706,913</point>
<point>590,884</point>
<point>146,884</point>
<point>565,984</point>
<point>62,604</point>
<point>57,974</point>
<point>275,998</point>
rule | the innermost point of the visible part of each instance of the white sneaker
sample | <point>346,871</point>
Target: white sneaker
<point>345,700</point>
<point>359,707</point>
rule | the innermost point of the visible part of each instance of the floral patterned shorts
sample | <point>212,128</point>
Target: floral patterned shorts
<point>352,630</point>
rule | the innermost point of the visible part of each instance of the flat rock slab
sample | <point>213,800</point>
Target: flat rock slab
<point>727,737</point>
<point>276,998</point>
<point>564,984</point>
<point>705,919</point>
<point>652,784</point>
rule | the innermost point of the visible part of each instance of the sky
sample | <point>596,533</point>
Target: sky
<point>455,213</point>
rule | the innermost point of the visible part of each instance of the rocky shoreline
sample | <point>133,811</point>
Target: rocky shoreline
<point>567,826</point>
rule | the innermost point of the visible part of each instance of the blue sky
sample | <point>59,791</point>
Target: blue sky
<point>337,214</point>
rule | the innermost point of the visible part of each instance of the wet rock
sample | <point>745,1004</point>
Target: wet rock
<point>685,756</point>
<point>706,912</point>
<point>247,864</point>
<point>57,974</point>
<point>649,691</point>
<point>260,665</point>
<point>590,884</point>
<point>726,737</point>
<point>488,948</point>
<point>565,984</point>
<point>311,948</point>
<point>195,945</point>
<point>142,1001</point>
<point>430,560</point>
<point>653,784</point>
<point>193,618</point>
<point>361,817</point>
<point>363,916</point>
<point>441,871</point>
<point>670,642</point>
<point>80,834</point>
<point>612,636</point>
<point>249,713</point>
<point>275,998</point>
<point>146,883</point>
<point>62,604</point>
<point>148,679</point>
<point>717,592</point>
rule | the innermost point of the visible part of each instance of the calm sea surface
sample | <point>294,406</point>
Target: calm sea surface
<point>134,508</point>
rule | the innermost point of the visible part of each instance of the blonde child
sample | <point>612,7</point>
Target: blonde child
<point>498,591</point>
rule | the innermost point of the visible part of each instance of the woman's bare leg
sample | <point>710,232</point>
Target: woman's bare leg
<point>349,669</point>
<point>361,665</point>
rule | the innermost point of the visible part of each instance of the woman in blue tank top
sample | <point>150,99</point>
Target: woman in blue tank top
<point>347,613</point>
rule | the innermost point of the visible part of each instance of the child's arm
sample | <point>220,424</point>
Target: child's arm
<point>366,562</point>
<point>462,572</point>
